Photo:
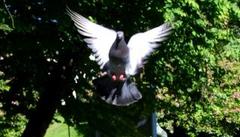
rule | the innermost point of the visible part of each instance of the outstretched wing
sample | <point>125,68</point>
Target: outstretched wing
<point>98,38</point>
<point>143,44</point>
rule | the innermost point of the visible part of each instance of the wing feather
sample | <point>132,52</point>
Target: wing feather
<point>141,45</point>
<point>98,38</point>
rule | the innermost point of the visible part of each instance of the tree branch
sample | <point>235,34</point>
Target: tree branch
<point>9,13</point>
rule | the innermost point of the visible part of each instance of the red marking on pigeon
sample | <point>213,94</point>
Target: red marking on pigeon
<point>122,77</point>
<point>114,78</point>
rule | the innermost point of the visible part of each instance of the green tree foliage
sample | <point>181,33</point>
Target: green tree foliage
<point>191,81</point>
<point>9,125</point>
<point>197,73</point>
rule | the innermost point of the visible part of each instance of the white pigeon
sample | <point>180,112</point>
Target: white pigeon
<point>118,59</point>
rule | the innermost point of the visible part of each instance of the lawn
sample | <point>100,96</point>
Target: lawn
<point>61,130</point>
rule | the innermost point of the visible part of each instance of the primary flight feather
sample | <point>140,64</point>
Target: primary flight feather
<point>98,38</point>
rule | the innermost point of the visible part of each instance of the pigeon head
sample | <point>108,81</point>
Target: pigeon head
<point>118,58</point>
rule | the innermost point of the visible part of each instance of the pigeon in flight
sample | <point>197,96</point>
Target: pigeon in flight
<point>116,57</point>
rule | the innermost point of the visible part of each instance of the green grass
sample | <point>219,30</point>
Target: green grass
<point>61,130</point>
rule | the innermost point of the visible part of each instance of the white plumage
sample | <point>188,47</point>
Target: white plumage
<point>100,40</point>
<point>143,44</point>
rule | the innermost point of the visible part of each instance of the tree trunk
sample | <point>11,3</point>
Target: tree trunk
<point>43,115</point>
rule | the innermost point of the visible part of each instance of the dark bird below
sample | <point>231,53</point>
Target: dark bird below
<point>119,59</point>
